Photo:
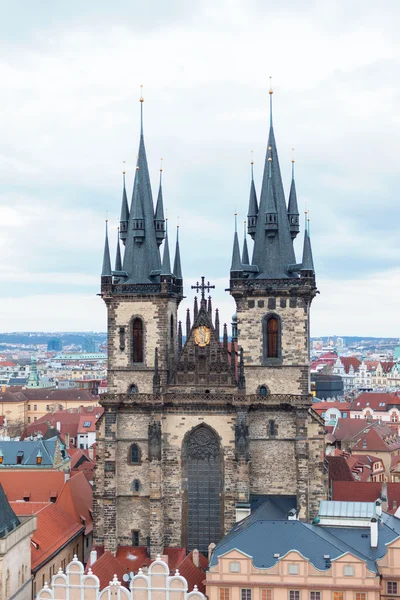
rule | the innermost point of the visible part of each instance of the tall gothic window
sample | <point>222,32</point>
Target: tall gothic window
<point>202,459</point>
<point>137,341</point>
<point>134,454</point>
<point>172,329</point>
<point>272,336</point>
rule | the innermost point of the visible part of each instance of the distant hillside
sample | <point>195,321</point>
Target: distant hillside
<point>68,338</point>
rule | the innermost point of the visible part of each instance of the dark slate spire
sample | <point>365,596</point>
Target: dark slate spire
<point>217,322</point>
<point>245,254</point>
<point>253,207</point>
<point>293,211</point>
<point>195,309</point>
<point>271,214</point>
<point>209,307</point>
<point>142,255</point>
<point>8,519</point>
<point>118,261</point>
<point>225,337</point>
<point>159,222</point>
<point>166,263</point>
<point>106,270</point>
<point>187,323</point>
<point>236,262</point>
<point>124,218</point>
<point>177,261</point>
<point>180,344</point>
<point>273,255</point>
<point>307,264</point>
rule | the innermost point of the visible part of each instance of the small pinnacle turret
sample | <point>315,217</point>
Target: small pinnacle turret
<point>106,270</point>
<point>293,211</point>
<point>124,219</point>
<point>245,253</point>
<point>307,264</point>
<point>236,261</point>
<point>253,207</point>
<point>118,261</point>
<point>166,263</point>
<point>271,214</point>
<point>159,222</point>
<point>177,260</point>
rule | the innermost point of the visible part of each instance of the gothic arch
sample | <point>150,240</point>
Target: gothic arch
<point>137,333</point>
<point>203,488</point>
<point>272,339</point>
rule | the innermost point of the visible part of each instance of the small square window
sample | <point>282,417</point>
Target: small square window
<point>135,538</point>
<point>234,567</point>
<point>348,571</point>
<point>293,569</point>
<point>315,595</point>
<point>337,596</point>
<point>392,587</point>
<point>266,594</point>
<point>223,593</point>
<point>245,594</point>
<point>361,596</point>
<point>294,594</point>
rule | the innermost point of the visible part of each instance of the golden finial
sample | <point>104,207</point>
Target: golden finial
<point>271,91</point>
<point>123,172</point>
<point>141,93</point>
<point>269,158</point>
<point>292,155</point>
<point>269,148</point>
<point>177,222</point>
<point>137,163</point>
<point>252,158</point>
<point>161,164</point>
<point>106,216</point>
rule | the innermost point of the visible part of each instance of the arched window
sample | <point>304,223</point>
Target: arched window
<point>272,337</point>
<point>272,428</point>
<point>263,391</point>
<point>132,389</point>
<point>134,454</point>
<point>137,341</point>
<point>135,485</point>
<point>171,326</point>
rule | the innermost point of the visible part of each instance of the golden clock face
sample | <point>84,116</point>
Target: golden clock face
<point>202,336</point>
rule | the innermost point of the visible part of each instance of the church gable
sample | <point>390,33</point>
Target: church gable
<point>204,360</point>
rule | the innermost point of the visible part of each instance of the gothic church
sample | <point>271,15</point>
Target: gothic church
<point>194,434</point>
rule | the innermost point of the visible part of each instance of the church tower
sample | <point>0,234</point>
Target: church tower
<point>198,431</point>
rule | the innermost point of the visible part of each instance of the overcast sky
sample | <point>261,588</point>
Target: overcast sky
<point>70,76</point>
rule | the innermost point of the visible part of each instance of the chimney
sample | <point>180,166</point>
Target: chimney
<point>58,426</point>
<point>384,496</point>
<point>91,454</point>
<point>292,515</point>
<point>378,507</point>
<point>196,560</point>
<point>93,557</point>
<point>374,533</point>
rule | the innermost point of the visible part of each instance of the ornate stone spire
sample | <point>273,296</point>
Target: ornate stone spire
<point>293,210</point>
<point>236,264</point>
<point>106,270</point>
<point>124,218</point>
<point>118,261</point>
<point>177,260</point>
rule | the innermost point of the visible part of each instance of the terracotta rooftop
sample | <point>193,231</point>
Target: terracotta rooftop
<point>106,567</point>
<point>350,361</point>
<point>375,400</point>
<point>339,469</point>
<point>321,407</point>
<point>38,485</point>
<point>76,499</point>
<point>54,529</point>
<point>360,491</point>
<point>194,575</point>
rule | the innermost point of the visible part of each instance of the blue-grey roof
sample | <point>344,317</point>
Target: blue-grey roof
<point>311,541</point>
<point>245,254</point>
<point>293,209</point>
<point>124,207</point>
<point>29,451</point>
<point>118,261</point>
<point>307,263</point>
<point>236,264</point>
<point>8,519</point>
<point>253,204</point>
<point>335,508</point>
<point>166,263</point>
<point>159,214</point>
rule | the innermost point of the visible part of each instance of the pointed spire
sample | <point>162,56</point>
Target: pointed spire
<point>124,218</point>
<point>141,110</point>
<point>225,337</point>
<point>195,309</point>
<point>307,262</point>
<point>106,270</point>
<point>166,263</point>
<point>273,251</point>
<point>271,91</point>
<point>180,336</point>
<point>236,262</point>
<point>159,222</point>
<point>177,261</point>
<point>118,261</point>
<point>209,307</point>
<point>253,206</point>
<point>142,255</point>
<point>245,254</point>
<point>293,211</point>
<point>187,322</point>
<point>217,322</point>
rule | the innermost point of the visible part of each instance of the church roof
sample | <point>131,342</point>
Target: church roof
<point>8,519</point>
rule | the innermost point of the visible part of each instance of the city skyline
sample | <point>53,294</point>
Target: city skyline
<point>71,117</point>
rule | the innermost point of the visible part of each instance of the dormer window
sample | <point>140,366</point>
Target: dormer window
<point>20,456</point>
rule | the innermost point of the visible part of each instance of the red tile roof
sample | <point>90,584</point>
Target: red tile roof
<point>22,509</point>
<point>106,567</point>
<point>376,439</point>
<point>87,419</point>
<point>194,575</point>
<point>321,407</point>
<point>339,469</point>
<point>375,400</point>
<point>350,361</point>
<point>394,462</point>
<point>54,530</point>
<point>38,485</point>
<point>175,557</point>
<point>133,557</point>
<point>360,491</point>
<point>387,366</point>
<point>76,499</point>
